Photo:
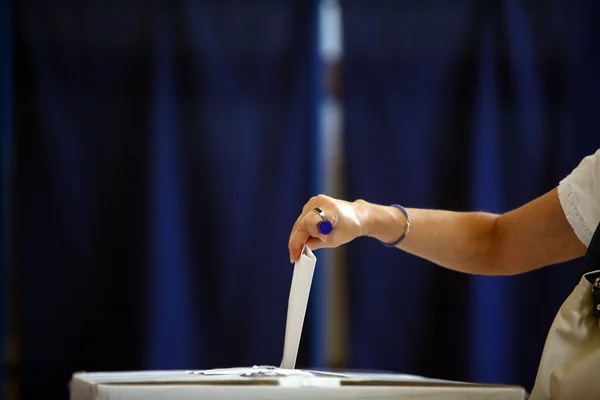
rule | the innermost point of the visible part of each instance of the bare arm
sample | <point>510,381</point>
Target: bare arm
<point>530,237</point>
<point>533,236</point>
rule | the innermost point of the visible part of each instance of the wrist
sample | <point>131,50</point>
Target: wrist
<point>364,212</point>
<point>407,221</point>
<point>387,223</point>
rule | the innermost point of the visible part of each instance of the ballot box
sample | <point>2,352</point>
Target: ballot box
<point>283,382</point>
<point>274,383</point>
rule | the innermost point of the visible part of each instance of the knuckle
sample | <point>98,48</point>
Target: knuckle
<point>300,225</point>
<point>326,201</point>
<point>309,203</point>
<point>321,197</point>
<point>295,227</point>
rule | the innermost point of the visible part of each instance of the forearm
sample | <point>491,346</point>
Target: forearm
<point>463,242</point>
<point>532,236</point>
<point>529,237</point>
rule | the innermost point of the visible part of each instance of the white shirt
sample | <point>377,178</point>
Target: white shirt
<point>579,195</point>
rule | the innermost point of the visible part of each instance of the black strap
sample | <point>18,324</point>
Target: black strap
<point>591,260</point>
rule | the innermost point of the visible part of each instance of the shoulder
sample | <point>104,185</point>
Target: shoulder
<point>579,195</point>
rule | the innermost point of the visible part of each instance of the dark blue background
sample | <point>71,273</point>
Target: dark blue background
<point>462,105</point>
<point>162,150</point>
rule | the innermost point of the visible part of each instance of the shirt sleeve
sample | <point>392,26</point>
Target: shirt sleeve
<point>579,195</point>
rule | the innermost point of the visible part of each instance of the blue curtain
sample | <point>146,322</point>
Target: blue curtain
<point>462,105</point>
<point>5,164</point>
<point>163,153</point>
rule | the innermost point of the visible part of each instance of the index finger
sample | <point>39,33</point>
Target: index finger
<point>305,227</point>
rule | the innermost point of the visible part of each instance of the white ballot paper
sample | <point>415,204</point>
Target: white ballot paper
<point>298,300</point>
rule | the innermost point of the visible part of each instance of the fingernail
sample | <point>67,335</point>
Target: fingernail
<point>291,261</point>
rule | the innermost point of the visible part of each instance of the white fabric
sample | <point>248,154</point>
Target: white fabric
<point>570,364</point>
<point>579,195</point>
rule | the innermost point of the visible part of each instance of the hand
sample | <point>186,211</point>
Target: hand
<point>349,221</point>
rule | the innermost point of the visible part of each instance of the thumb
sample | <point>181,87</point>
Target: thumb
<point>314,243</point>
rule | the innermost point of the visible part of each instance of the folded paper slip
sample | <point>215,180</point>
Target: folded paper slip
<point>304,269</point>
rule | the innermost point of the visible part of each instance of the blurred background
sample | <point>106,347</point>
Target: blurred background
<point>155,155</point>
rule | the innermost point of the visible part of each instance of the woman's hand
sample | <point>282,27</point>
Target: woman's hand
<point>349,221</point>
